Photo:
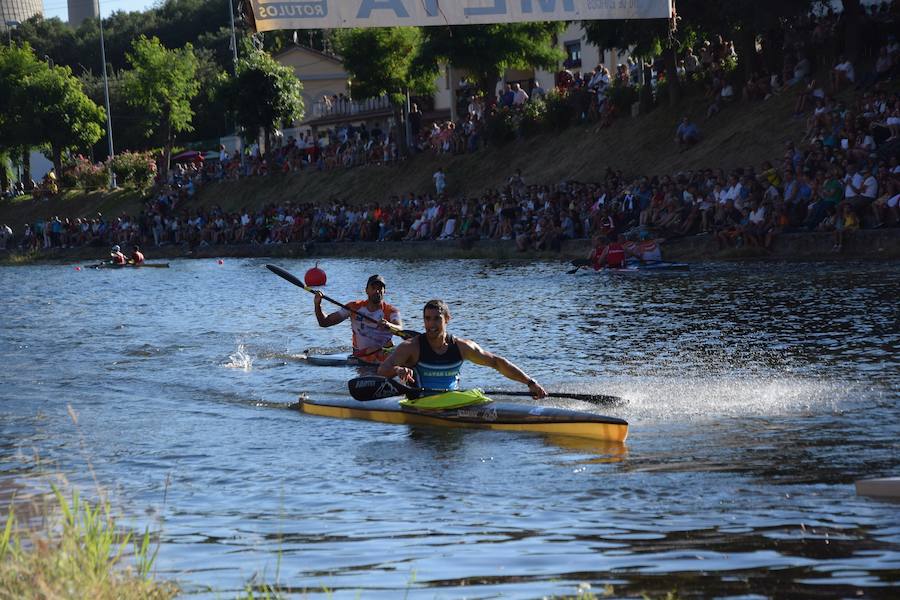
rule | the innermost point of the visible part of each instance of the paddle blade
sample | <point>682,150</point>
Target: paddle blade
<point>581,262</point>
<point>572,271</point>
<point>374,388</point>
<point>286,276</point>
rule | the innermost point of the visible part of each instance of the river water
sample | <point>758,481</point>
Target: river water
<point>757,394</point>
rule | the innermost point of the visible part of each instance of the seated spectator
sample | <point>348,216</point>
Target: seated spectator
<point>842,74</point>
<point>687,134</point>
<point>887,211</point>
<point>845,221</point>
<point>801,71</point>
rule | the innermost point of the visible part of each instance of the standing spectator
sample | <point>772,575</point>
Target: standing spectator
<point>6,234</point>
<point>520,97</point>
<point>415,122</point>
<point>842,74</point>
<point>440,181</point>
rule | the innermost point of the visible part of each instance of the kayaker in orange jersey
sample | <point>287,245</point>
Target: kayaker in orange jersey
<point>116,256</point>
<point>137,257</point>
<point>434,360</point>
<point>371,341</point>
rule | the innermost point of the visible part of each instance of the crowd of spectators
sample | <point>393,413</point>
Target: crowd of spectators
<point>841,176</point>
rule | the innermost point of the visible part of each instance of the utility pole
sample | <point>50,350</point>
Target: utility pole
<point>109,132</point>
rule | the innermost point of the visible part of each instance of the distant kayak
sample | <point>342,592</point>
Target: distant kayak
<point>140,266</point>
<point>340,359</point>
<point>634,267</point>
<point>500,416</point>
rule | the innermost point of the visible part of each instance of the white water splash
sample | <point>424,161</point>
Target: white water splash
<point>698,398</point>
<point>240,359</point>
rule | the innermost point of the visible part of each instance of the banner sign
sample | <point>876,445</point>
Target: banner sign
<point>334,14</point>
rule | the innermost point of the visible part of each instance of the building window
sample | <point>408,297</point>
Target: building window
<point>573,54</point>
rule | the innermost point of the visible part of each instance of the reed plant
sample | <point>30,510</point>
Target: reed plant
<point>77,551</point>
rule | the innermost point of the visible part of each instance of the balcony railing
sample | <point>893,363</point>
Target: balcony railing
<point>340,108</point>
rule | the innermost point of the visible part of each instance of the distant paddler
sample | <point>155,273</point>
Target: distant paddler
<point>434,360</point>
<point>116,257</point>
<point>371,338</point>
<point>137,257</point>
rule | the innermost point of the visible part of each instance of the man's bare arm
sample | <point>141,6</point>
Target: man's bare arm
<point>474,353</point>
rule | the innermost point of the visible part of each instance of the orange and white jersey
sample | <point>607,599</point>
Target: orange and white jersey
<point>366,334</point>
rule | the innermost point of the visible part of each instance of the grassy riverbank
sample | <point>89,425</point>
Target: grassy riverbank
<point>77,552</point>
<point>742,135</point>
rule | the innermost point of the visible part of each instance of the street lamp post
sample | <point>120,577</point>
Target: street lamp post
<point>109,132</point>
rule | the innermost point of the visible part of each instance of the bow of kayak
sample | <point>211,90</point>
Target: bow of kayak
<point>500,416</point>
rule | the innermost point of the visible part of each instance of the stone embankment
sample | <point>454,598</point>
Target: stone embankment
<point>879,244</point>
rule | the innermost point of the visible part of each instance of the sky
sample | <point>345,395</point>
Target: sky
<point>60,8</point>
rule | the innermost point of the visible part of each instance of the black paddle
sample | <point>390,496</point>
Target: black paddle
<point>578,263</point>
<point>405,333</point>
<point>373,387</point>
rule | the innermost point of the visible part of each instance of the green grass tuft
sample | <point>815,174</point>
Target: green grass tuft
<point>78,552</point>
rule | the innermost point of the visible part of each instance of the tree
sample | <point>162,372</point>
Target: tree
<point>486,51</point>
<point>62,114</point>
<point>40,104</point>
<point>162,83</point>
<point>383,62</point>
<point>264,94</point>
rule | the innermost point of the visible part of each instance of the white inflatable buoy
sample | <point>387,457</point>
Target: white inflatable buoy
<point>889,487</point>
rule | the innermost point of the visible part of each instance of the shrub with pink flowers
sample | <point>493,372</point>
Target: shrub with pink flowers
<point>134,169</point>
<point>81,172</point>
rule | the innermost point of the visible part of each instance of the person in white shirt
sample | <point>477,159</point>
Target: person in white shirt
<point>440,181</point>
<point>520,97</point>
<point>842,73</point>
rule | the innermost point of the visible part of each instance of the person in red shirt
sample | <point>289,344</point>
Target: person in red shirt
<point>612,255</point>
<point>117,258</point>
<point>137,257</point>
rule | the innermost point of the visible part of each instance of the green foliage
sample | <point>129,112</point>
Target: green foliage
<point>622,97</point>
<point>486,51</point>
<point>501,126</point>
<point>134,169</point>
<point>43,104</point>
<point>559,113</point>
<point>62,113</point>
<point>534,115</point>
<point>264,94</point>
<point>162,83</point>
<point>383,61</point>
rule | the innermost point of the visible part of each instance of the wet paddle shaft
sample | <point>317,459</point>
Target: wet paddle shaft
<point>374,387</point>
<point>405,333</point>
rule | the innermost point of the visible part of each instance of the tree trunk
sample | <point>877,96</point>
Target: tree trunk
<point>747,59</point>
<point>4,173</point>
<point>852,27</point>
<point>672,76</point>
<point>57,159</point>
<point>26,167</point>
<point>646,98</point>
<point>400,124</point>
<point>167,152</point>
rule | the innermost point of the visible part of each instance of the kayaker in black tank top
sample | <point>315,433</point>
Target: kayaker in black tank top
<point>438,371</point>
<point>436,357</point>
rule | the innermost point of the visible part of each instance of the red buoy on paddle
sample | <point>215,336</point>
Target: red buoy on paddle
<point>221,262</point>
<point>77,268</point>
<point>315,277</point>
